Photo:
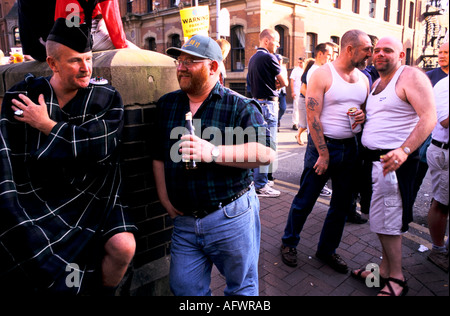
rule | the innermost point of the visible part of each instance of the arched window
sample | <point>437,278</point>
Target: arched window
<point>150,43</point>
<point>237,51</point>
<point>282,48</point>
<point>175,40</point>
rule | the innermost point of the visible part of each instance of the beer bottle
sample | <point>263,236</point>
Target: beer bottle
<point>189,164</point>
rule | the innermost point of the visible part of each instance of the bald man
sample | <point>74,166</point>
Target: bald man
<point>400,114</point>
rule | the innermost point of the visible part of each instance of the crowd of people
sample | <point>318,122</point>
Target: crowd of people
<point>60,161</point>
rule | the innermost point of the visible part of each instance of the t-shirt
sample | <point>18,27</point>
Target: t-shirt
<point>435,75</point>
<point>263,68</point>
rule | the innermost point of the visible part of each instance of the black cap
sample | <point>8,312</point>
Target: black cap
<point>76,37</point>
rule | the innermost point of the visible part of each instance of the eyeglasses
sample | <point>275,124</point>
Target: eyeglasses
<point>188,62</point>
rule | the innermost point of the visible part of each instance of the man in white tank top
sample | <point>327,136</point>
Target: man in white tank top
<point>332,148</point>
<point>400,115</point>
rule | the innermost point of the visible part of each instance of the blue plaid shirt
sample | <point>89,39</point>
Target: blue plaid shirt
<point>223,111</point>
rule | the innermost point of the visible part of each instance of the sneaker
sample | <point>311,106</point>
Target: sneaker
<point>267,191</point>
<point>289,255</point>
<point>334,261</point>
<point>271,183</point>
<point>326,191</point>
<point>439,258</point>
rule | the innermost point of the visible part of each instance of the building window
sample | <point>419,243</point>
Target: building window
<point>411,15</point>
<point>237,48</point>
<point>408,56</point>
<point>175,40</point>
<point>387,10</point>
<point>355,6</point>
<point>129,6</point>
<point>311,43</point>
<point>149,5</point>
<point>399,12</point>
<point>282,48</point>
<point>334,39</point>
<point>337,4</point>
<point>150,42</point>
<point>372,8</point>
<point>16,37</point>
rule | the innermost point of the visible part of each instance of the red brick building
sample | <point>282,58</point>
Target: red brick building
<point>302,24</point>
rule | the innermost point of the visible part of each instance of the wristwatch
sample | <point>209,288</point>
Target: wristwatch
<point>215,152</point>
<point>406,150</point>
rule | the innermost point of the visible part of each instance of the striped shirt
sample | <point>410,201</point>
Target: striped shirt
<point>59,194</point>
<point>224,118</point>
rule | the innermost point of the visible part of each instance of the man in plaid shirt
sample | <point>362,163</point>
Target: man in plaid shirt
<point>62,226</point>
<point>214,207</point>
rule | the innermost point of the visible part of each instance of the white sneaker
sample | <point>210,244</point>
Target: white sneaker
<point>271,183</point>
<point>326,191</point>
<point>267,191</point>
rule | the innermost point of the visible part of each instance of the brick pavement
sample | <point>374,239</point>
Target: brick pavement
<point>359,246</point>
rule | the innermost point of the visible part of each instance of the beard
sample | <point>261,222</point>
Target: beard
<point>193,82</point>
<point>361,65</point>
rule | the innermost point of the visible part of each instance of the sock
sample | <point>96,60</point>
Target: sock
<point>439,248</point>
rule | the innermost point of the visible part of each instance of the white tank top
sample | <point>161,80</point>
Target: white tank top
<point>389,119</point>
<point>341,96</point>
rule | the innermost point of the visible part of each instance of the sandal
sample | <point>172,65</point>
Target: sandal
<point>358,275</point>
<point>391,290</point>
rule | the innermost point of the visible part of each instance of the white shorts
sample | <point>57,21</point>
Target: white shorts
<point>437,159</point>
<point>386,208</point>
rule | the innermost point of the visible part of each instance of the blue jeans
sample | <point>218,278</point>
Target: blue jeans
<point>229,238</point>
<point>270,113</point>
<point>341,170</point>
<point>282,105</point>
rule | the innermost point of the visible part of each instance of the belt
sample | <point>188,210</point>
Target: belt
<point>439,144</point>
<point>343,141</point>
<point>374,155</point>
<point>205,212</point>
<point>269,99</point>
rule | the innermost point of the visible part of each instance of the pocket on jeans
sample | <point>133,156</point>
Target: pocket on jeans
<point>238,207</point>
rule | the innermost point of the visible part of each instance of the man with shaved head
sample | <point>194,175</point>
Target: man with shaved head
<point>332,149</point>
<point>400,115</point>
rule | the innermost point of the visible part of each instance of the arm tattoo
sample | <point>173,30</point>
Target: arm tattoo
<point>312,103</point>
<point>316,125</point>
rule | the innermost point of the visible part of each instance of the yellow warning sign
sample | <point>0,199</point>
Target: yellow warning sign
<point>195,20</point>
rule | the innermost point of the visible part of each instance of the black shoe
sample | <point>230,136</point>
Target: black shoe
<point>356,219</point>
<point>289,256</point>
<point>334,261</point>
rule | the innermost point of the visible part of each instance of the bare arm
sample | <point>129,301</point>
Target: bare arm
<point>282,80</point>
<point>415,88</point>
<point>293,93</point>
<point>249,155</point>
<point>160,181</point>
<point>444,123</point>
<point>314,105</point>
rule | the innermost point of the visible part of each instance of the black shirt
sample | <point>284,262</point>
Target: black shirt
<point>263,67</point>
